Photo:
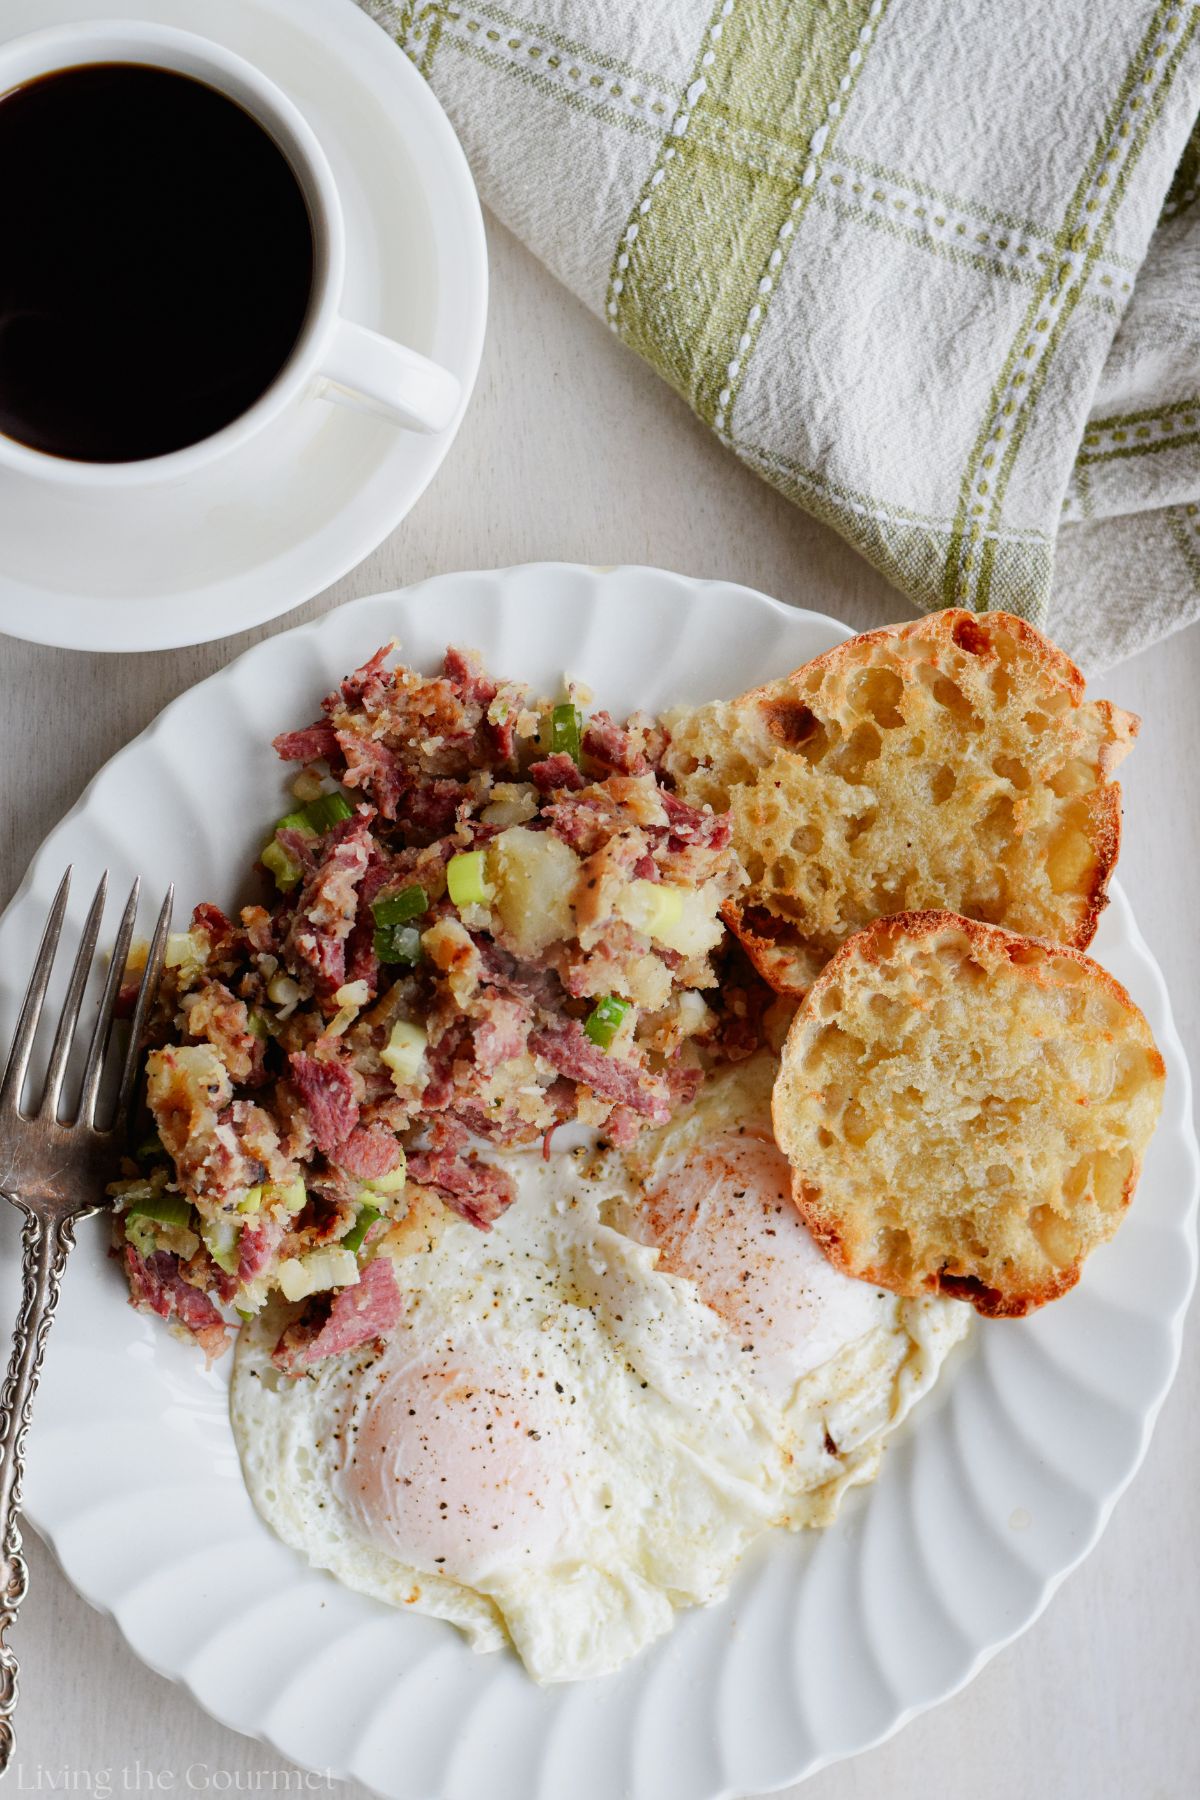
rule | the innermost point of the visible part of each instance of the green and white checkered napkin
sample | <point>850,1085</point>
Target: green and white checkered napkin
<point>932,267</point>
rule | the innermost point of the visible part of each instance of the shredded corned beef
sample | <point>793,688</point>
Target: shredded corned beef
<point>541,987</point>
<point>259,1241</point>
<point>440,1090</point>
<point>466,675</point>
<point>220,930</point>
<point>368,685</point>
<point>343,1322</point>
<point>369,1152</point>
<point>579,820</point>
<point>215,1014</point>
<point>477,1190</point>
<point>504,1131</point>
<point>556,773</point>
<point>567,1048</point>
<point>371,766</point>
<point>309,745</point>
<point>328,905</point>
<point>503,734</point>
<point>502,1031</point>
<point>429,807</point>
<point>684,1083</point>
<point>606,744</point>
<point>362,964</point>
<point>258,928</point>
<point>156,1285</point>
<point>654,738</point>
<point>328,1091</point>
<point>300,846</point>
<point>691,826</point>
<point>448,1134</point>
<point>622,1127</point>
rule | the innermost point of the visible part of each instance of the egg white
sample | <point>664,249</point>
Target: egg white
<point>843,1362</point>
<point>563,1443</point>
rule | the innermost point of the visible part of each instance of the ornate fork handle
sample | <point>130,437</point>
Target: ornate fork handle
<point>47,1244</point>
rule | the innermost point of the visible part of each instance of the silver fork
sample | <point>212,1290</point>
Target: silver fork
<point>55,1172</point>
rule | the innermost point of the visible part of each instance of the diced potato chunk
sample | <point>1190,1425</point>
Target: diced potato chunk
<point>186,952</point>
<point>404,1052</point>
<point>512,803</point>
<point>684,919</point>
<point>647,981</point>
<point>534,874</point>
<point>327,1267</point>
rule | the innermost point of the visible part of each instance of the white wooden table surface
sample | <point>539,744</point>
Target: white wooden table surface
<point>572,450</point>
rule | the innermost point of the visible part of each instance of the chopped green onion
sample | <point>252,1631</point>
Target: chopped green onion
<point>251,1201</point>
<point>367,1216</point>
<point>327,810</point>
<point>150,1149</point>
<point>220,1236</point>
<point>566,731</point>
<point>313,820</point>
<point>398,909</point>
<point>164,1209</point>
<point>467,880</point>
<point>398,943</point>
<point>279,863</point>
<point>604,1021</point>
<point>257,1023</point>
<point>292,1194</point>
<point>141,1234</point>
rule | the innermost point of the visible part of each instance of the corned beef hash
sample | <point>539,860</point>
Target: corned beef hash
<point>491,915</point>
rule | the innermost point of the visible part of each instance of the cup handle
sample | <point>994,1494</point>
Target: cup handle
<point>363,369</point>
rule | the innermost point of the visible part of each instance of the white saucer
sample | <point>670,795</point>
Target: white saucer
<point>315,492</point>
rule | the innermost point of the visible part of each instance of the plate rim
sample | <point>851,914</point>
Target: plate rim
<point>1166,1029</point>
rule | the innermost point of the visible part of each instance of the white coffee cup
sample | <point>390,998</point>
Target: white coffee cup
<point>333,357</point>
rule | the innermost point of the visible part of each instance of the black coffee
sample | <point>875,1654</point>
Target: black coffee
<point>156,262</point>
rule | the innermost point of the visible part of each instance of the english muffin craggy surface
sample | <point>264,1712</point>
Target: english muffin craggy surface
<point>965,1110</point>
<point>950,762</point>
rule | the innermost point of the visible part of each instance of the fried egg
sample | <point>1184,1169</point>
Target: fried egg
<point>587,1414</point>
<point>842,1361</point>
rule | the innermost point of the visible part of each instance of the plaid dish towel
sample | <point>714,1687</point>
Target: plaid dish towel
<point>931,267</point>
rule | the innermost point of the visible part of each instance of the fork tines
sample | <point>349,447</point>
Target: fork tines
<point>12,1086</point>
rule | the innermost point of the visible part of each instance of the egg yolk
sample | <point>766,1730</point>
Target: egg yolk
<point>723,1217</point>
<point>459,1468</point>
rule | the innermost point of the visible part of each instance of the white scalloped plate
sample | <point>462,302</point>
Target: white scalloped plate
<point>999,1486</point>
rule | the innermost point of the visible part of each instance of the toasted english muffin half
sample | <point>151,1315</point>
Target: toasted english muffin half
<point>949,762</point>
<point>965,1110</point>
